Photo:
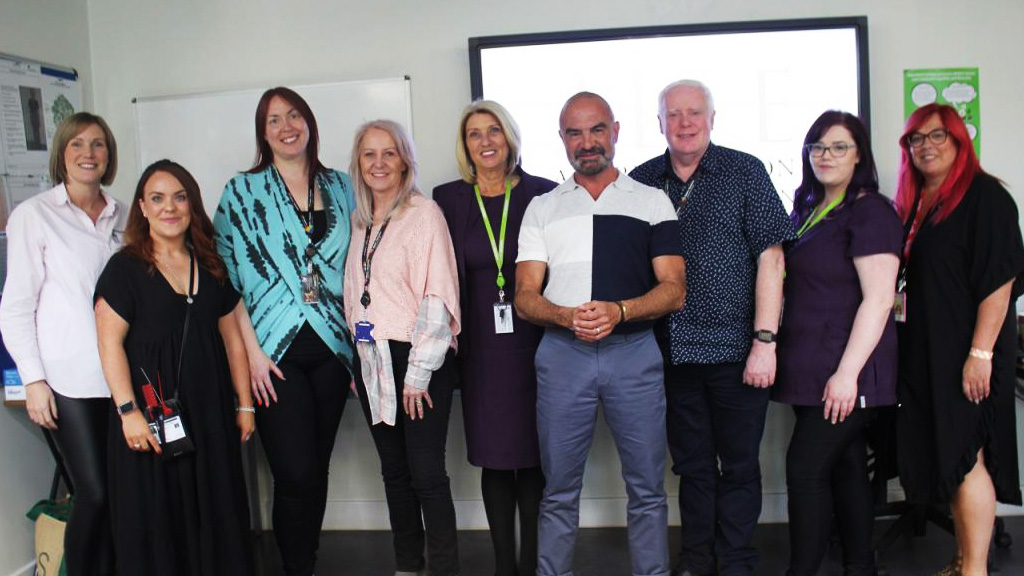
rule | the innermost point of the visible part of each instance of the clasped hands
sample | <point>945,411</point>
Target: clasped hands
<point>594,320</point>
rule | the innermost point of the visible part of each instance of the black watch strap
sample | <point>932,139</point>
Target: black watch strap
<point>766,336</point>
<point>126,408</point>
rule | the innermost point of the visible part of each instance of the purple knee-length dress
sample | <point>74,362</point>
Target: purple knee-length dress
<point>497,375</point>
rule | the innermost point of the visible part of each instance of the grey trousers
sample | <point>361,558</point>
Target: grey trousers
<point>622,373</point>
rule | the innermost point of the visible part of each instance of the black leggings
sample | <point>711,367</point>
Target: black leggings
<point>81,439</point>
<point>826,471</point>
<point>504,491</point>
<point>298,435</point>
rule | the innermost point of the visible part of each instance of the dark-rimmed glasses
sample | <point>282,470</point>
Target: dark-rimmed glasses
<point>839,149</point>
<point>937,136</point>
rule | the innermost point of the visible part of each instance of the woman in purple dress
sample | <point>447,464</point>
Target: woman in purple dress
<point>484,211</point>
<point>837,342</point>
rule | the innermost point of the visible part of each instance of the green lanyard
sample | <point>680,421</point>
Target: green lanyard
<point>816,217</point>
<point>497,248</point>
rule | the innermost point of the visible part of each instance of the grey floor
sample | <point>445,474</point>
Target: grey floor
<point>604,552</point>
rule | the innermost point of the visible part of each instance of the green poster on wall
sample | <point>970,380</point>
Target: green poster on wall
<point>957,87</point>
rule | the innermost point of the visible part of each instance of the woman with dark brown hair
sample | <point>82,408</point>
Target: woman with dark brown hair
<point>283,230</point>
<point>963,268</point>
<point>177,371</point>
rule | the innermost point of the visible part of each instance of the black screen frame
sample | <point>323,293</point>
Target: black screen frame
<point>858,23</point>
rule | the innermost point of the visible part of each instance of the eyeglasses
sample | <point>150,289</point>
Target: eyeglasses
<point>938,136</point>
<point>838,149</point>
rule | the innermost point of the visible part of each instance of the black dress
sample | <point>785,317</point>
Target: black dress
<point>186,516</point>
<point>953,266</point>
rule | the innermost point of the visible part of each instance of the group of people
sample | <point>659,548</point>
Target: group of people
<point>154,341</point>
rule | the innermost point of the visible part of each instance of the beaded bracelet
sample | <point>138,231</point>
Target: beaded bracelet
<point>249,409</point>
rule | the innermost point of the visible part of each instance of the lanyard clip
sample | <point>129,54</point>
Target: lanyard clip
<point>501,296</point>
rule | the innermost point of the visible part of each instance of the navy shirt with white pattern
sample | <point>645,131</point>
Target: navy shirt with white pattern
<point>731,216</point>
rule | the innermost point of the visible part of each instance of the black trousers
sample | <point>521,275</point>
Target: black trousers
<point>298,434</point>
<point>826,471</point>
<point>504,491</point>
<point>715,424</point>
<point>416,481</point>
<point>81,439</point>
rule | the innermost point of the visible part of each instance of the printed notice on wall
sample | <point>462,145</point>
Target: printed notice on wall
<point>34,99</point>
<point>957,87</point>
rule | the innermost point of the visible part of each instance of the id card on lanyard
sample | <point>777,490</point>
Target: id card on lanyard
<point>309,282</point>
<point>364,328</point>
<point>503,323</point>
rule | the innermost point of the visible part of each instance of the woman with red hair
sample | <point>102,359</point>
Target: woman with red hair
<point>963,268</point>
<point>176,366</point>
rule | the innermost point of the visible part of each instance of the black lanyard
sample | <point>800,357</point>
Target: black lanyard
<point>908,227</point>
<point>307,220</point>
<point>189,299</point>
<point>686,195</point>
<point>367,260</point>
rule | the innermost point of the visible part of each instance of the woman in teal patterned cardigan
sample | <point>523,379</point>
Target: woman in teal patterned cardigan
<point>283,231</point>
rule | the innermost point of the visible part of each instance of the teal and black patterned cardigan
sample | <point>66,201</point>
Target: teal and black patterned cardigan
<point>263,243</point>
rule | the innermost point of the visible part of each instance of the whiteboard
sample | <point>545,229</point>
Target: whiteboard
<point>213,136</point>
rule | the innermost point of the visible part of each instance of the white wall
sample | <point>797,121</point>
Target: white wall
<point>127,48</point>
<point>55,31</point>
<point>144,48</point>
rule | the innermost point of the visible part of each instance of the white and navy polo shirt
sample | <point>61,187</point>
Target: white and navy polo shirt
<point>599,249</point>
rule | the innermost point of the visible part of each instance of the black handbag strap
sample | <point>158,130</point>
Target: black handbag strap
<point>190,298</point>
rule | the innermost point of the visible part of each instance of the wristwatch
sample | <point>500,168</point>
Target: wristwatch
<point>766,336</point>
<point>126,408</point>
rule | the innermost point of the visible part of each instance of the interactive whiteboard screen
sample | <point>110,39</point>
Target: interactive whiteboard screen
<point>769,82</point>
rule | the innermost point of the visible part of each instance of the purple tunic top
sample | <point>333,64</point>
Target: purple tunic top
<point>497,375</point>
<point>822,294</point>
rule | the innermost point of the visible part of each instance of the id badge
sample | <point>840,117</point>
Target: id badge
<point>502,318</point>
<point>899,307</point>
<point>310,288</point>
<point>364,331</point>
<point>173,437</point>
<point>174,429</point>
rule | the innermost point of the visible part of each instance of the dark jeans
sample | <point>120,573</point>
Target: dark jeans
<point>81,439</point>
<point>504,491</point>
<point>826,470</point>
<point>715,424</point>
<point>412,463</point>
<point>298,435</point>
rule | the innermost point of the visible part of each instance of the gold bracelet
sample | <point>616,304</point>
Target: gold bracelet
<point>981,354</point>
<point>622,311</point>
<point>249,409</point>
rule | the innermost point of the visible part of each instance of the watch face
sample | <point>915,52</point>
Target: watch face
<point>126,408</point>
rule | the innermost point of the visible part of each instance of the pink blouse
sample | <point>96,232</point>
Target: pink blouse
<point>413,285</point>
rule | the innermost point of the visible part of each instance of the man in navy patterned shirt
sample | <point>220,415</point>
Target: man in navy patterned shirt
<point>720,349</point>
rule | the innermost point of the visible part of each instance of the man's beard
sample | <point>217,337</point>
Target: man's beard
<point>591,167</point>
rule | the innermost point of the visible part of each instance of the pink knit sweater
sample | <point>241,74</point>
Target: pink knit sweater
<point>415,259</point>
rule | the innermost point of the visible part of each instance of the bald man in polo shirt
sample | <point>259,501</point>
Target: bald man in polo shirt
<point>608,247</point>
